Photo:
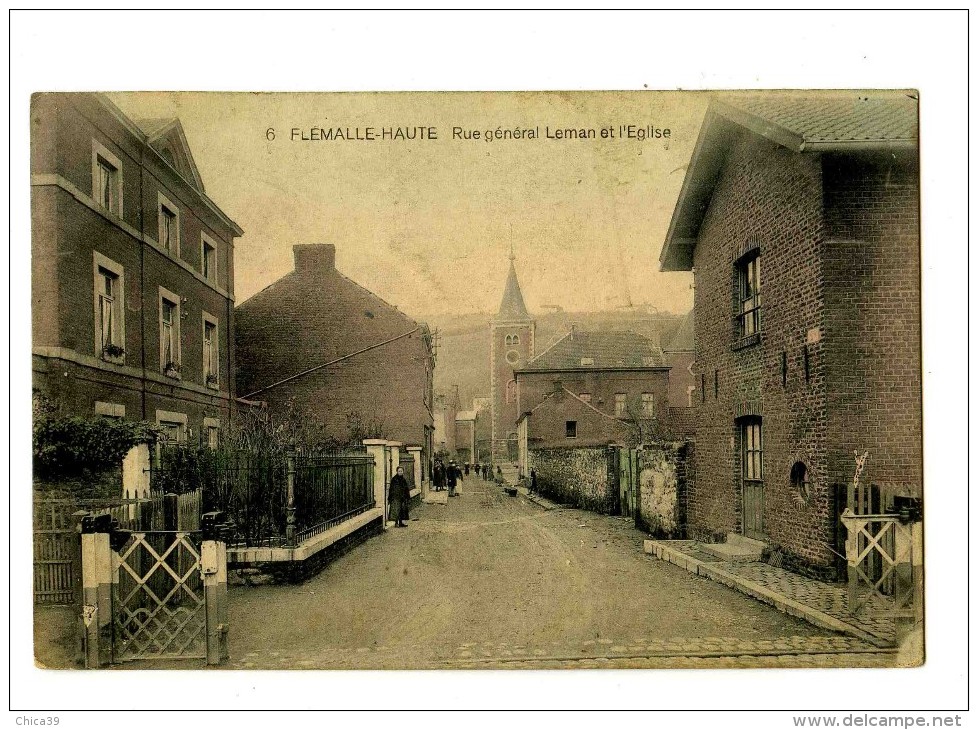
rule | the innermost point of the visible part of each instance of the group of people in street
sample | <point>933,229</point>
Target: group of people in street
<point>444,476</point>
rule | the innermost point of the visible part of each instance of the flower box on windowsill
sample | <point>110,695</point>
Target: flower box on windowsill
<point>172,370</point>
<point>114,354</point>
<point>748,341</point>
<point>212,381</point>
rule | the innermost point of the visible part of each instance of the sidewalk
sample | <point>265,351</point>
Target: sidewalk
<point>821,604</point>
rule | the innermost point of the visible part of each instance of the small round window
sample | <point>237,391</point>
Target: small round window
<point>512,357</point>
<point>799,480</point>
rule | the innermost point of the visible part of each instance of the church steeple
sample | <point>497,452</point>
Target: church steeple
<point>512,308</point>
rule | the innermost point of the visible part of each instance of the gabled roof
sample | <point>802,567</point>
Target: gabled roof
<point>810,122</point>
<point>166,136</point>
<point>683,341</point>
<point>512,308</point>
<point>550,400</point>
<point>580,350</point>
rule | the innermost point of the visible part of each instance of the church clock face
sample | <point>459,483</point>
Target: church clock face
<point>512,357</point>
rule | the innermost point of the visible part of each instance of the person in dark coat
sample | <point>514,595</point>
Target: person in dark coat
<point>451,477</point>
<point>533,481</point>
<point>439,476</point>
<point>400,494</point>
<point>466,468</point>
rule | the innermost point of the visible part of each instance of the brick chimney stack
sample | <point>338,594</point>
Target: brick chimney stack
<point>314,258</point>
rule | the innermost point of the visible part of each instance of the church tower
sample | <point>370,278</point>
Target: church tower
<point>511,335</point>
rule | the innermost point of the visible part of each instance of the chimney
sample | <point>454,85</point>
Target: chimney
<point>314,258</point>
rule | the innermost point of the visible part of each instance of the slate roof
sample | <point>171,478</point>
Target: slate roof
<point>598,350</point>
<point>512,308</point>
<point>683,341</point>
<point>831,117</point>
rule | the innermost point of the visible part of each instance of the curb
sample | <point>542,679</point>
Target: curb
<point>761,593</point>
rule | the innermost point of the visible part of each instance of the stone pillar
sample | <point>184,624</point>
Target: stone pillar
<point>214,568</point>
<point>96,596</point>
<point>377,448</point>
<point>415,452</point>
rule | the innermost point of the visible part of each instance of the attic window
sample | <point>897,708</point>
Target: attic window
<point>586,361</point>
<point>571,429</point>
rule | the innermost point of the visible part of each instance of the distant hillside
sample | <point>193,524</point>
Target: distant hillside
<point>463,346</point>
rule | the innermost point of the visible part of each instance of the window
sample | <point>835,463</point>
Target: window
<point>586,397</point>
<point>648,405</point>
<point>749,285</point>
<point>799,480</point>
<point>571,429</point>
<point>620,404</point>
<point>212,432</point>
<point>210,358</point>
<point>511,391</point>
<point>169,219</point>
<point>169,333</point>
<point>208,258</point>
<point>751,451</point>
<point>106,179</point>
<point>174,426</point>
<point>110,336</point>
<point>587,362</point>
<point>512,340</point>
<point>115,411</point>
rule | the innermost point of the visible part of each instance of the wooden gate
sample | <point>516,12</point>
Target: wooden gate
<point>627,481</point>
<point>158,606</point>
<point>57,552</point>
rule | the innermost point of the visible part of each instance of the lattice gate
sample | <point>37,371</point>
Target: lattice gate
<point>158,601</point>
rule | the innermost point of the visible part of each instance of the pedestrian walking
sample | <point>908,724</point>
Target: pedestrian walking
<point>533,481</point>
<point>499,475</point>
<point>451,477</point>
<point>400,494</point>
<point>486,468</point>
<point>466,468</point>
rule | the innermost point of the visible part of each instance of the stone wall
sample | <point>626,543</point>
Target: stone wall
<point>575,476</point>
<point>664,473</point>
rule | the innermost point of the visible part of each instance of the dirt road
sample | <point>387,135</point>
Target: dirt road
<point>475,581</point>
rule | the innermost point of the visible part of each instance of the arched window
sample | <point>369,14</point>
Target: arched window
<point>799,480</point>
<point>511,391</point>
<point>512,340</point>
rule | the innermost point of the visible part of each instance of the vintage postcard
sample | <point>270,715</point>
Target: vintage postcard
<point>523,380</point>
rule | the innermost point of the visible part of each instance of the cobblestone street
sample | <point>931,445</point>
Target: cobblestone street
<point>499,582</point>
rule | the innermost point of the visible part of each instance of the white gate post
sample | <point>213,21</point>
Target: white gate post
<point>377,448</point>
<point>415,452</point>
<point>214,568</point>
<point>394,449</point>
<point>97,566</point>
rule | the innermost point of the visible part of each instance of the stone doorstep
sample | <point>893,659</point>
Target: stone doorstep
<point>764,594</point>
<point>732,552</point>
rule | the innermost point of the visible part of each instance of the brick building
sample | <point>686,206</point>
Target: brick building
<point>339,354</point>
<point>680,356</point>
<point>511,344</point>
<point>818,357</point>
<point>132,270</point>
<point>619,374</point>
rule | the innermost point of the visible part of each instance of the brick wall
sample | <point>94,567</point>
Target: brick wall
<point>872,285</point>
<point>769,198</point>
<point>547,425</point>
<point>68,228</point>
<point>577,476</point>
<point>316,315</point>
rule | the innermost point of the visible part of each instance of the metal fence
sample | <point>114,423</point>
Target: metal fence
<point>252,489</point>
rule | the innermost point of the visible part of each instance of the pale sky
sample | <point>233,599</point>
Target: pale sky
<point>427,225</point>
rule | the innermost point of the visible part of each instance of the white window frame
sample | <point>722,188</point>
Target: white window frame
<point>621,404</point>
<point>174,417</point>
<point>648,405</point>
<point>115,202</point>
<point>110,410</point>
<point>567,428</point>
<point>207,319</point>
<point>212,425</point>
<point>175,299</point>
<point>209,273</point>
<point>164,202</point>
<point>99,262</point>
